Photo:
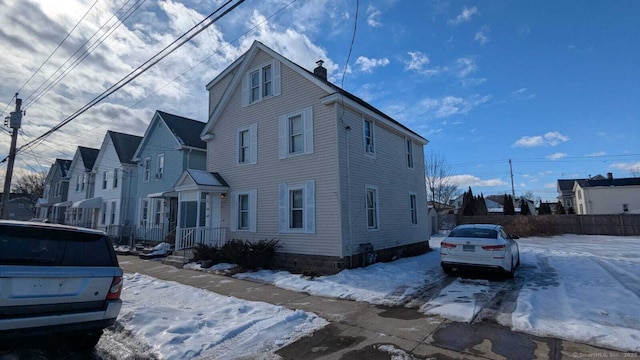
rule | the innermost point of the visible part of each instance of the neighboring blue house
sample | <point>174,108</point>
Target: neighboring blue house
<point>53,204</point>
<point>82,211</point>
<point>170,145</point>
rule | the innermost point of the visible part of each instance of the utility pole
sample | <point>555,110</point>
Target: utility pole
<point>513,190</point>
<point>14,120</point>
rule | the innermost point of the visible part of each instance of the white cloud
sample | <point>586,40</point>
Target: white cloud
<point>597,153</point>
<point>450,105</point>
<point>464,67</point>
<point>467,180</point>
<point>482,35</point>
<point>522,94</point>
<point>367,65</point>
<point>417,62</point>
<point>631,167</point>
<point>552,138</point>
<point>553,185</point>
<point>556,156</point>
<point>464,16</point>
<point>374,17</point>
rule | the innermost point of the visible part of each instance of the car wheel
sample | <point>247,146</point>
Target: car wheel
<point>84,342</point>
<point>511,273</point>
<point>447,269</point>
<point>518,263</point>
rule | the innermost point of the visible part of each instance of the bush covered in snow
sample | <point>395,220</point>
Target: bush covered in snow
<point>250,255</point>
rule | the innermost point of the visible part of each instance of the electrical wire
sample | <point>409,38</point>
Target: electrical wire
<point>184,38</point>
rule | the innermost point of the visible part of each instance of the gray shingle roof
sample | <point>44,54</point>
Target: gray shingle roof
<point>88,156</point>
<point>186,130</point>
<point>63,166</point>
<point>125,145</point>
<point>610,182</point>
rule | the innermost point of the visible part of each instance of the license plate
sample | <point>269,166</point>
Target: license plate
<point>468,248</point>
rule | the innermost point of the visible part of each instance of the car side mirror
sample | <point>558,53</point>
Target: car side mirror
<point>515,237</point>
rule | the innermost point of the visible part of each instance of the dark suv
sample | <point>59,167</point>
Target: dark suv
<point>57,280</point>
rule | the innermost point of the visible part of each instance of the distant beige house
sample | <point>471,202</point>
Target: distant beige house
<point>607,196</point>
<point>290,156</point>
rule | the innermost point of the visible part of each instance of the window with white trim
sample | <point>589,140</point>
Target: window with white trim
<point>115,178</point>
<point>103,218</point>
<point>244,210</point>
<point>413,208</point>
<point>297,207</point>
<point>159,212</point>
<point>144,212</point>
<point>78,183</point>
<point>113,213</point>
<point>146,169</point>
<point>261,82</point>
<point>409,150</point>
<point>625,208</point>
<point>371,204</point>
<point>368,135</point>
<point>295,132</point>
<point>159,166</point>
<point>105,178</point>
<point>247,145</point>
<point>84,181</point>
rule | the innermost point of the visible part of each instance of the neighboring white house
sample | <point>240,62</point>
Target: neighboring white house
<point>607,196</point>
<point>171,144</point>
<point>115,172</point>
<point>53,203</point>
<point>82,212</point>
<point>293,157</point>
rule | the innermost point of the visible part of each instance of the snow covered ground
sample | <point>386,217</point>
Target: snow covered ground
<point>181,322</point>
<point>580,288</point>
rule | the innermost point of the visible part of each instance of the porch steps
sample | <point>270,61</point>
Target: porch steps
<point>179,258</point>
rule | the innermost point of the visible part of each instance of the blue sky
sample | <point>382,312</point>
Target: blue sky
<point>553,86</point>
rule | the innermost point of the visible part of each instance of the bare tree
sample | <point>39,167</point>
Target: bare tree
<point>440,185</point>
<point>30,184</point>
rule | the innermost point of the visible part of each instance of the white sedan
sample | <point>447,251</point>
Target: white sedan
<point>479,246</point>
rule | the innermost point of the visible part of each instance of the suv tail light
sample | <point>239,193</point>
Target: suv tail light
<point>115,289</point>
<point>447,245</point>
<point>494,247</point>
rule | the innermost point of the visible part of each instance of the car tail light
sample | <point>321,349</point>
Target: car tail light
<point>494,247</point>
<point>115,289</point>
<point>447,245</point>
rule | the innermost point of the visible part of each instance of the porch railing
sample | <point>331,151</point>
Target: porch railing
<point>187,238</point>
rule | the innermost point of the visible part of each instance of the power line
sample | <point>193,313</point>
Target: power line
<point>58,47</point>
<point>40,91</point>
<point>184,38</point>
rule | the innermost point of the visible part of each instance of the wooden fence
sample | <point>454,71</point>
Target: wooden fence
<point>546,225</point>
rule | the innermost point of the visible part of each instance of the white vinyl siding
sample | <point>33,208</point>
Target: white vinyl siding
<point>244,210</point>
<point>261,82</point>
<point>297,207</point>
<point>247,145</point>
<point>295,133</point>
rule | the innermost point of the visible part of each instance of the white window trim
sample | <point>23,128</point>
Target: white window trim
<point>410,158</point>
<point>115,178</point>
<point>369,150</point>
<point>114,212</point>
<point>103,218</point>
<point>284,132</point>
<point>160,166</point>
<point>376,207</point>
<point>146,169</point>
<point>105,180</point>
<point>253,145</point>
<point>309,206</point>
<point>412,209</point>
<point>144,218</point>
<point>253,202</point>
<point>275,83</point>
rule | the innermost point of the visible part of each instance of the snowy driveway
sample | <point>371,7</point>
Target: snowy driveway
<point>580,288</point>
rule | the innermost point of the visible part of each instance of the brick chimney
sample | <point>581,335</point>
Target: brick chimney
<point>320,71</point>
<point>610,176</point>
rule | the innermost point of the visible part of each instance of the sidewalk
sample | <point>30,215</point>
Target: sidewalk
<point>357,327</point>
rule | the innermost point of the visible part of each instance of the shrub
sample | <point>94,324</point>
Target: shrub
<point>261,254</point>
<point>203,252</point>
<point>235,251</point>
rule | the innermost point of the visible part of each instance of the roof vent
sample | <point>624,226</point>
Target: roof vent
<point>320,71</point>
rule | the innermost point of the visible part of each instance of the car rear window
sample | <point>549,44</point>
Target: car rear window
<point>474,233</point>
<point>22,245</point>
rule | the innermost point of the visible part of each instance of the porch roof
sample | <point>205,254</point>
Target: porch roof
<point>163,194</point>
<point>64,203</point>
<point>92,203</point>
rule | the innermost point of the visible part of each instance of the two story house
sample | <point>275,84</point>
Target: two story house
<point>53,204</point>
<point>291,156</point>
<point>115,172</point>
<point>170,145</point>
<point>81,187</point>
<point>607,196</point>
